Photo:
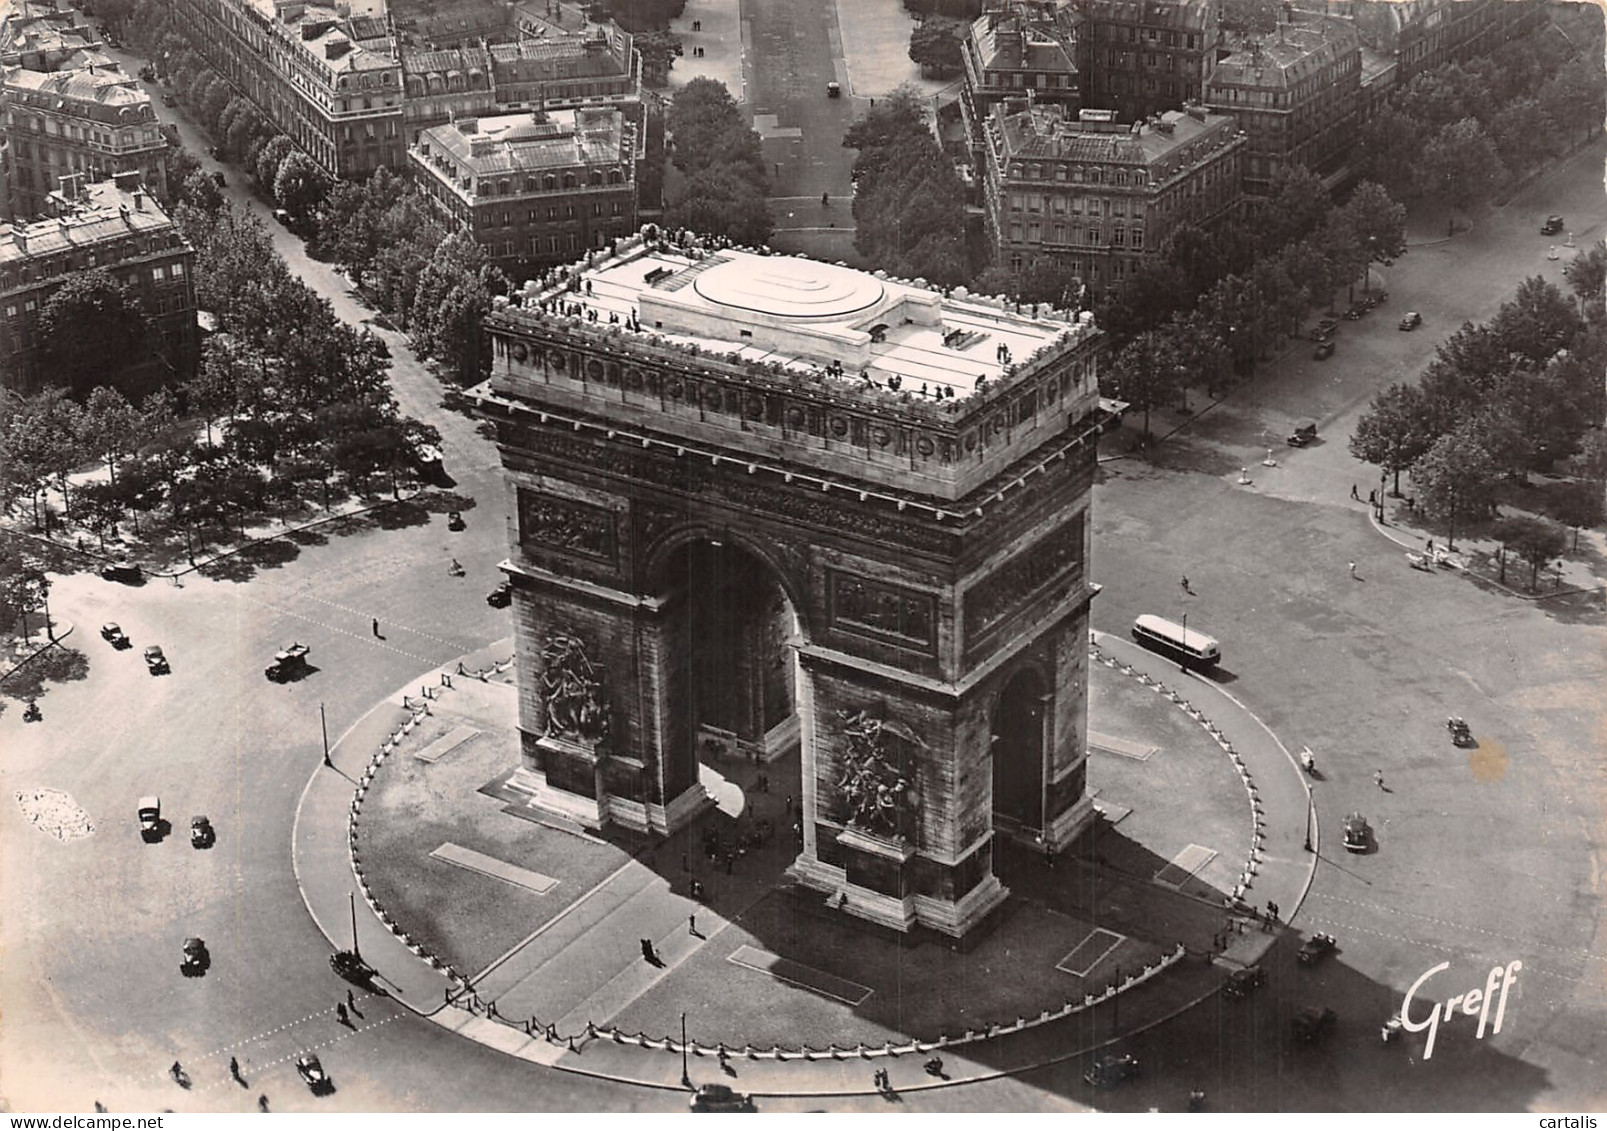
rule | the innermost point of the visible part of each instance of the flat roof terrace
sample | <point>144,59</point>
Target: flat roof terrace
<point>809,316</point>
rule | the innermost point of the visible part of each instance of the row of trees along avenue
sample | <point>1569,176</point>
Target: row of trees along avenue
<point>1501,399</point>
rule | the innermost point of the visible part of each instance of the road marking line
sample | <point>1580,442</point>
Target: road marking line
<point>1092,938</point>
<point>554,921</point>
<point>427,661</point>
<point>1460,927</point>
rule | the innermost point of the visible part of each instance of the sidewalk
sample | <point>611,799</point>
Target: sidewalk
<point>722,35</point>
<point>1277,868</point>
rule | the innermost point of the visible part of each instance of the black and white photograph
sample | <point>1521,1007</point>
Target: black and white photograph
<point>803,556</point>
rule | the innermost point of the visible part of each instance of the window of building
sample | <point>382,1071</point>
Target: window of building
<point>1118,238</point>
<point>1138,239</point>
<point>158,273</point>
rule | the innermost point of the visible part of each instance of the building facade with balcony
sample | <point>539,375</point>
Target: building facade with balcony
<point>330,82</point>
<point>114,225</point>
<point>1101,194</point>
<point>1017,46</point>
<point>1146,56</point>
<point>91,122</point>
<point>1295,93</point>
<point>533,189</point>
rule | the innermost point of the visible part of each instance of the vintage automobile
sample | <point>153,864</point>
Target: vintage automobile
<point>1357,833</point>
<point>311,1071</point>
<point>149,810</point>
<point>126,572</point>
<point>834,90</point>
<point>1324,350</point>
<point>1324,330</point>
<point>196,958</point>
<point>155,661</point>
<point>1319,945</point>
<point>720,1097</point>
<point>350,965</point>
<point>201,832</point>
<point>1461,733</point>
<point>500,597</point>
<point>1552,226</point>
<point>454,521</point>
<point>1412,320</point>
<point>289,661</point>
<point>1313,1023</point>
<point>1242,983</point>
<point>111,632</point>
<point>1111,1069</point>
<point>1302,435</point>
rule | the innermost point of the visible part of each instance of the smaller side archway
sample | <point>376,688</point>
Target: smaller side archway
<point>1019,741</point>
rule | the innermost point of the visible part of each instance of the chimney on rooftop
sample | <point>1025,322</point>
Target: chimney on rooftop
<point>139,202</point>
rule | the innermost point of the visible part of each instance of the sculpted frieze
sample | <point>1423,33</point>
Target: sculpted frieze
<point>879,611</point>
<point>995,597</point>
<point>565,524</point>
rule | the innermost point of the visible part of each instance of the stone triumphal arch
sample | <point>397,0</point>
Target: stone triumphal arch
<point>785,507</point>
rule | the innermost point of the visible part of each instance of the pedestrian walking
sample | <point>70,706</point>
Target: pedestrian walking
<point>234,1069</point>
<point>691,926</point>
<point>340,1013</point>
<point>1185,586</point>
<point>351,1001</point>
<point>1378,778</point>
<point>1049,854</point>
<point>649,953</point>
<point>262,1103</point>
<point>1353,493</point>
<point>376,626</point>
<point>1353,571</point>
<point>730,862</point>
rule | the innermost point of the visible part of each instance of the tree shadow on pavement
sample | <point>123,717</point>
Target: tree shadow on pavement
<point>58,665</point>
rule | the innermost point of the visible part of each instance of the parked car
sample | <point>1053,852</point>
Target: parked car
<point>1552,226</point>
<point>720,1097</point>
<point>1112,1069</point>
<point>834,90</point>
<point>1302,435</point>
<point>380,347</point>
<point>1241,983</point>
<point>150,818</point>
<point>352,967</point>
<point>1412,320</point>
<point>1319,945</point>
<point>1324,350</point>
<point>111,632</point>
<point>1313,1023</point>
<point>1357,833</point>
<point>1324,329</point>
<point>201,833</point>
<point>500,597</point>
<point>126,572</point>
<point>219,179</point>
<point>155,661</point>
<point>196,958</point>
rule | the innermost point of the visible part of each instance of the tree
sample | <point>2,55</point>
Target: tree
<point>1461,164</point>
<point>92,326</point>
<point>1394,432</point>
<point>1579,504</point>
<point>1376,219</point>
<point>109,426</point>
<point>1257,17</point>
<point>454,294</point>
<point>270,157</point>
<point>659,50</point>
<point>1536,321</point>
<point>100,509</point>
<point>1586,273</point>
<point>1535,540</point>
<point>23,588</point>
<point>1147,374</point>
<point>1295,206</point>
<point>300,185</point>
<point>718,202</point>
<point>1524,134</point>
<point>935,46</point>
<point>1387,148</point>
<point>1573,98</point>
<point>1455,479</point>
<point>202,192</point>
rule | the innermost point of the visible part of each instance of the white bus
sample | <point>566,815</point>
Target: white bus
<point>1189,648</point>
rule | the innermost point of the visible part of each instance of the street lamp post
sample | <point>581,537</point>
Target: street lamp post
<point>686,1078</point>
<point>323,726</point>
<point>1311,805</point>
